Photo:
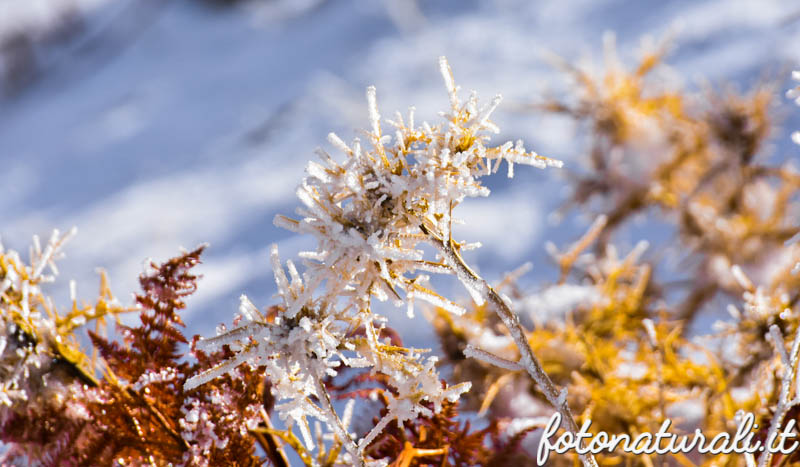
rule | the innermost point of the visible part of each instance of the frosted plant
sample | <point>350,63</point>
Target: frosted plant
<point>759,304</point>
<point>370,214</point>
<point>31,333</point>
<point>786,401</point>
<point>199,425</point>
<point>298,352</point>
<point>44,375</point>
<point>788,398</point>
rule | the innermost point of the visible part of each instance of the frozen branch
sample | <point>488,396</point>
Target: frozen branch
<point>473,352</point>
<point>790,366</point>
<point>528,360</point>
<point>336,423</point>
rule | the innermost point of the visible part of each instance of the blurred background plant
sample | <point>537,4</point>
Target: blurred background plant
<point>627,334</point>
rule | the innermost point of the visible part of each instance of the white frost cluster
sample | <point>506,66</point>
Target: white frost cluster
<point>27,332</point>
<point>300,350</point>
<point>151,377</point>
<point>199,425</point>
<point>366,212</point>
<point>370,214</point>
<point>759,304</point>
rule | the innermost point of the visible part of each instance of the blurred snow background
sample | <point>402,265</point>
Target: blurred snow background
<point>154,124</point>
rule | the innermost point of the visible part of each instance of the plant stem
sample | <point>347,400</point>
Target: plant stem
<point>473,281</point>
<point>269,444</point>
<point>790,363</point>
<point>337,425</point>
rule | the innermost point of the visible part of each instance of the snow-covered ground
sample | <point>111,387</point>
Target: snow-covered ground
<point>173,123</point>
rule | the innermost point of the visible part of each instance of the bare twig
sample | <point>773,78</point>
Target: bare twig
<point>480,288</point>
<point>269,444</point>
<point>338,426</point>
<point>790,364</point>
